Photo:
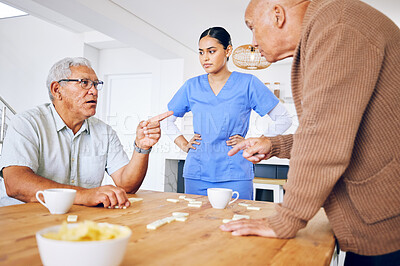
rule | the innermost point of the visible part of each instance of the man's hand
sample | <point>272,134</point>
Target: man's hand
<point>106,195</point>
<point>255,149</point>
<point>246,227</point>
<point>234,140</point>
<point>148,132</point>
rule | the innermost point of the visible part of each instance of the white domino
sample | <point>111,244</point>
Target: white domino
<point>189,199</point>
<point>132,200</point>
<point>194,205</point>
<point>182,197</point>
<point>196,202</point>
<point>152,226</point>
<point>117,207</point>
<point>156,224</point>
<point>169,219</point>
<point>253,208</point>
<point>176,216</point>
<point>226,220</point>
<point>180,214</point>
<point>181,218</point>
<point>173,200</point>
<point>243,204</point>
<point>240,216</point>
<point>72,218</point>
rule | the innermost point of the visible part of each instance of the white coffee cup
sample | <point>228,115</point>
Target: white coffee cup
<point>221,197</point>
<point>57,200</point>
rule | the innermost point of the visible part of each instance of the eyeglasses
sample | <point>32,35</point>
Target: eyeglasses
<point>86,83</point>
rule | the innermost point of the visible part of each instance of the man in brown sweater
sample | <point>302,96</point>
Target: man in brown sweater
<point>345,154</point>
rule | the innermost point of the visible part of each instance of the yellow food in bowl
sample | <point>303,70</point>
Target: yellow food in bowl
<point>88,231</point>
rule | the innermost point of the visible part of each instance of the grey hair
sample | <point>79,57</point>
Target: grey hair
<point>62,70</point>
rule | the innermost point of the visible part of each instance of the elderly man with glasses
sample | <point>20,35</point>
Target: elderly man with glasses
<point>61,144</point>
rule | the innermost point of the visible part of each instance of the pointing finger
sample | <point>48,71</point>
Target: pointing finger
<point>161,117</point>
<point>252,151</point>
<point>237,148</point>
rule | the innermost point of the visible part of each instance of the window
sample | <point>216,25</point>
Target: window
<point>9,12</point>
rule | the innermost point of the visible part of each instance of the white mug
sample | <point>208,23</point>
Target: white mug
<point>221,197</point>
<point>57,200</point>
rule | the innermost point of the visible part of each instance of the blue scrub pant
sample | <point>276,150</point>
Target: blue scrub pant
<point>199,187</point>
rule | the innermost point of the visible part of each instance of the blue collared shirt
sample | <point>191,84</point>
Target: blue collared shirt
<point>39,139</point>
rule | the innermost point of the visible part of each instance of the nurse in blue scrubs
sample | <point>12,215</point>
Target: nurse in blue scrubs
<point>221,102</point>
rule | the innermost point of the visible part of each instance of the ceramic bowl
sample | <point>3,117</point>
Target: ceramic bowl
<point>85,253</point>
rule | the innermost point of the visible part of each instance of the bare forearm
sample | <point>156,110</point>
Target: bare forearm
<point>182,143</point>
<point>22,183</point>
<point>131,176</point>
<point>134,172</point>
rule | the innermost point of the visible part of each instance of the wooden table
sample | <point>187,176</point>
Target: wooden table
<point>198,241</point>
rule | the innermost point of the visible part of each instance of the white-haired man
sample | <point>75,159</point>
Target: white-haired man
<point>61,144</point>
<point>344,155</point>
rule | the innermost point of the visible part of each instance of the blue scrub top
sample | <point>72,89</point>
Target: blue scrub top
<point>216,118</point>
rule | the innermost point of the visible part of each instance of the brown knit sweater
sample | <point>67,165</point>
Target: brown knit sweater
<point>345,154</point>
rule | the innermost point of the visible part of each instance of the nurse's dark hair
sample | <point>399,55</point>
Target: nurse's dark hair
<point>219,34</point>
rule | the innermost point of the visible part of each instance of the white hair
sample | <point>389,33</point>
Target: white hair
<point>62,70</point>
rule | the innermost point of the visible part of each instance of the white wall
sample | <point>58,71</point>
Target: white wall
<point>30,46</point>
<point>125,61</point>
<point>276,72</point>
<point>167,77</point>
<point>28,49</point>
<point>93,55</point>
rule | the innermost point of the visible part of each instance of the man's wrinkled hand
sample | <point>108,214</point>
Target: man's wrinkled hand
<point>254,149</point>
<point>249,227</point>
<point>109,196</point>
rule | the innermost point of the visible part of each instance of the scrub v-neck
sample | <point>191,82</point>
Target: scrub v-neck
<point>225,87</point>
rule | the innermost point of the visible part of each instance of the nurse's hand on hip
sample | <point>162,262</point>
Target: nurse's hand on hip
<point>185,145</point>
<point>233,140</point>
<point>254,149</point>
